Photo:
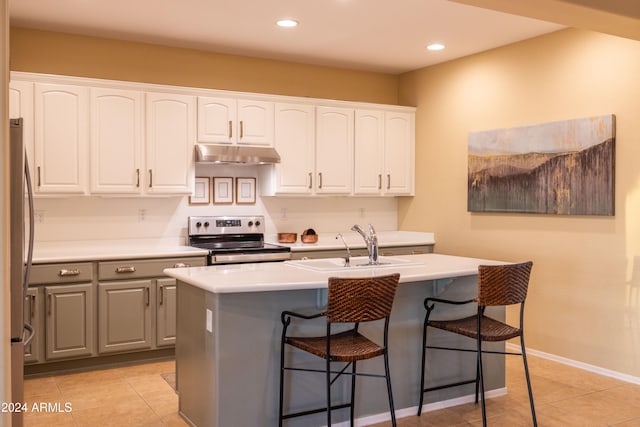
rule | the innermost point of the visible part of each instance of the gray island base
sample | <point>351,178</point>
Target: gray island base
<point>228,343</point>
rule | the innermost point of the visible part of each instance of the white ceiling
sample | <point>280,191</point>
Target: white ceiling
<point>375,35</point>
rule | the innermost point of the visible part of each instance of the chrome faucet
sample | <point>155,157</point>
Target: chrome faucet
<point>348,257</point>
<point>371,241</point>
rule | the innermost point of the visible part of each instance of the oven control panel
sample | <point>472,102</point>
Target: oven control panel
<point>215,225</point>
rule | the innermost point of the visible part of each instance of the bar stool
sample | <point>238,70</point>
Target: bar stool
<point>498,285</point>
<point>352,301</point>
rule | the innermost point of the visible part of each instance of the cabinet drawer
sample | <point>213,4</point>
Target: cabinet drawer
<point>131,269</point>
<point>61,273</point>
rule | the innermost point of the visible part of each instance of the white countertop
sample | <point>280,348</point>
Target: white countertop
<point>328,241</point>
<point>278,276</point>
<point>92,250</point>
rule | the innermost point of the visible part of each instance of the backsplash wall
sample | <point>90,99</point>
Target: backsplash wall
<point>105,218</point>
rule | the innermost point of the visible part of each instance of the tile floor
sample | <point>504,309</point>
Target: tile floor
<point>139,396</point>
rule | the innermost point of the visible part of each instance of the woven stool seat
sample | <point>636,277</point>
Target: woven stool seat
<point>349,301</point>
<point>498,285</point>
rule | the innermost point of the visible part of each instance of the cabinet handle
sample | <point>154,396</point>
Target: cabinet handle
<point>150,178</point>
<point>241,129</point>
<point>138,178</point>
<point>126,269</point>
<point>39,180</point>
<point>379,181</point>
<point>32,312</point>
<point>49,304</point>
<point>148,292</point>
<point>161,295</point>
<point>319,179</point>
<point>388,181</point>
<point>310,180</point>
<point>181,265</point>
<point>417,252</point>
<point>230,129</point>
<point>70,272</point>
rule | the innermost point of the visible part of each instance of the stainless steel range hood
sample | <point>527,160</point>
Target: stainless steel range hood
<point>234,154</point>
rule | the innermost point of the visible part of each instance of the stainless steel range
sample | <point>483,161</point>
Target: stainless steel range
<point>234,239</point>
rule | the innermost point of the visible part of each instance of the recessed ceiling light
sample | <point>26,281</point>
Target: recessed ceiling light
<point>435,46</point>
<point>287,23</point>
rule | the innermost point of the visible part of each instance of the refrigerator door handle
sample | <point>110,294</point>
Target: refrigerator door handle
<point>27,270</point>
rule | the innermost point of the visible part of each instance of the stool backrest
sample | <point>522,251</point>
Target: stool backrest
<point>503,284</point>
<point>360,299</point>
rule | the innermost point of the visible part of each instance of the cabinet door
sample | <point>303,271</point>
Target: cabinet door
<point>294,142</point>
<point>21,105</point>
<point>33,352</point>
<point>70,311</point>
<point>399,153</point>
<point>369,152</point>
<point>166,312</point>
<point>61,138</point>
<point>334,150</point>
<point>125,315</point>
<point>216,119</point>
<point>116,141</point>
<point>170,143</point>
<point>255,122</point>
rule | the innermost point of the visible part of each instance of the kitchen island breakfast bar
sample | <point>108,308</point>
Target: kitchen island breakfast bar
<point>229,329</point>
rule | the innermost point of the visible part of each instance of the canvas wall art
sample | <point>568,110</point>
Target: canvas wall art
<point>564,168</point>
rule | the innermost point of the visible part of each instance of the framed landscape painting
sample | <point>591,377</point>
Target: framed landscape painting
<point>563,168</point>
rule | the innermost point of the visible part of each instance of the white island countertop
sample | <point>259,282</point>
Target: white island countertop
<point>99,250</point>
<point>277,276</point>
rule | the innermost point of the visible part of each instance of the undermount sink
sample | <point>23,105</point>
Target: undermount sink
<point>355,263</point>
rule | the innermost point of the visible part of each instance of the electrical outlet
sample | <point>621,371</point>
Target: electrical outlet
<point>361,212</point>
<point>142,215</point>
<point>39,216</point>
<point>283,213</point>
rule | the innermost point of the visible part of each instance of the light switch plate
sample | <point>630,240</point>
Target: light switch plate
<point>209,321</point>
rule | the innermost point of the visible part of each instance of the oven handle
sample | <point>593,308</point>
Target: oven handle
<point>275,256</point>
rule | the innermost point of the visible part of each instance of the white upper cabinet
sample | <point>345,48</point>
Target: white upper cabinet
<point>399,153</point>
<point>294,142</point>
<point>369,152</point>
<point>21,106</point>
<point>334,150</point>
<point>116,141</point>
<point>384,147</point>
<point>170,140</point>
<point>235,121</point>
<point>61,138</point>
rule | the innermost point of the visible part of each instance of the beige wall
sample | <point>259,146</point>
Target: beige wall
<point>57,53</point>
<point>579,304</point>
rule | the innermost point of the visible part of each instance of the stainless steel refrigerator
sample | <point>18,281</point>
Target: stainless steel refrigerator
<point>21,240</point>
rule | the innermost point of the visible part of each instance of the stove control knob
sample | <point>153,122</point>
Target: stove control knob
<point>206,224</point>
<point>257,223</point>
<point>250,223</point>
<point>198,224</point>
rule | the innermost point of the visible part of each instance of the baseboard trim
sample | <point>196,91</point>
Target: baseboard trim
<point>412,411</point>
<point>576,364</point>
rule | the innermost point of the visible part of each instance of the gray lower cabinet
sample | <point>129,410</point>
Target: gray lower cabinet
<point>125,316</point>
<point>166,312</point>
<point>69,320</point>
<point>33,310</point>
<point>137,307</point>
<point>100,308</point>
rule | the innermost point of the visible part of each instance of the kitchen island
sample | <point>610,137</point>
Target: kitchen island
<point>229,328</point>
